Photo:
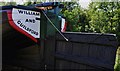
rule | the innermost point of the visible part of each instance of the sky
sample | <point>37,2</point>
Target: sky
<point>83,3</point>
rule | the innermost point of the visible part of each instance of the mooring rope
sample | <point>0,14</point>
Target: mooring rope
<point>54,26</point>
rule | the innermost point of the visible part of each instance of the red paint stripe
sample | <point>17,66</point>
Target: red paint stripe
<point>11,22</point>
<point>65,26</point>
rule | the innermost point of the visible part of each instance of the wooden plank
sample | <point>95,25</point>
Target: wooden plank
<point>64,47</point>
<point>62,64</point>
<point>103,53</point>
<point>96,52</point>
<point>49,53</point>
<point>89,49</point>
<point>101,39</point>
<point>27,57</point>
<point>80,49</point>
<point>88,67</point>
<point>77,66</point>
<point>84,60</point>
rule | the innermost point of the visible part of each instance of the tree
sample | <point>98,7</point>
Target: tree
<point>76,17</point>
<point>7,3</point>
<point>2,3</point>
<point>105,17</point>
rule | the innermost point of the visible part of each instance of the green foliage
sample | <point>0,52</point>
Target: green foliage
<point>30,3</point>
<point>104,17</point>
<point>69,6</point>
<point>2,3</point>
<point>7,3</point>
<point>100,17</point>
<point>27,3</point>
<point>117,68</point>
<point>76,17</point>
<point>117,65</point>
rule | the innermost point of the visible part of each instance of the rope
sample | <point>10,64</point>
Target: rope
<point>54,26</point>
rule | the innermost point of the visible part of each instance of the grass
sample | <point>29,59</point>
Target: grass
<point>117,64</point>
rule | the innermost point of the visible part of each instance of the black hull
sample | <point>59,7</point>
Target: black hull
<point>17,49</point>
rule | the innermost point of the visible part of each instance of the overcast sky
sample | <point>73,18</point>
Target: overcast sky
<point>84,3</point>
